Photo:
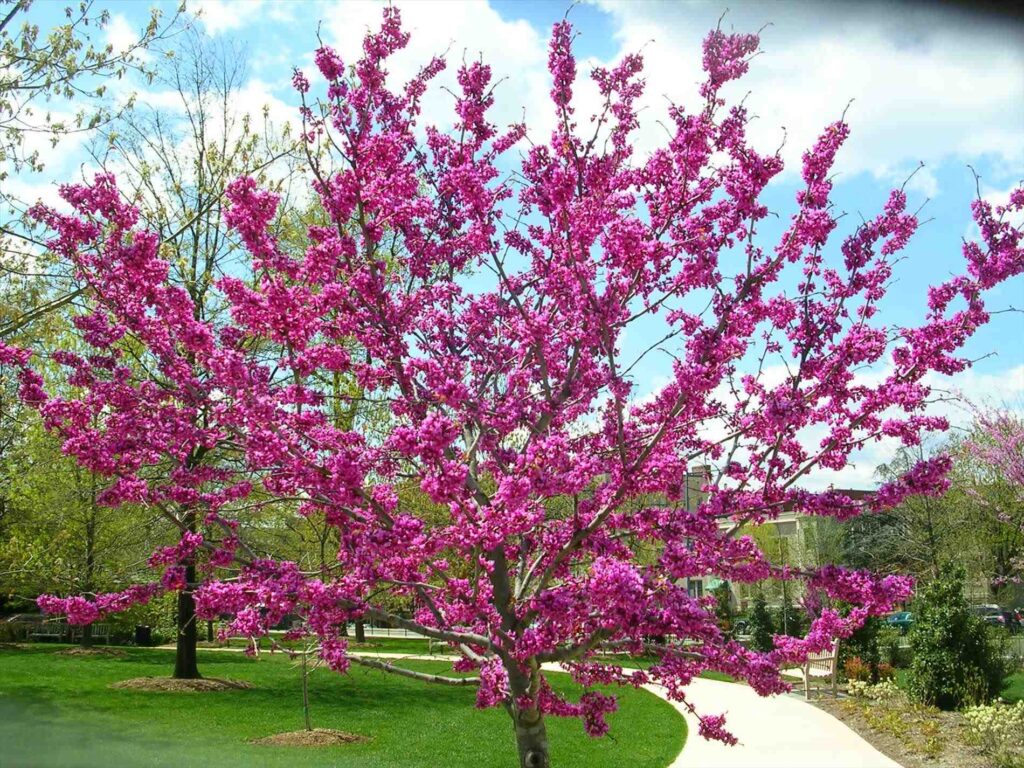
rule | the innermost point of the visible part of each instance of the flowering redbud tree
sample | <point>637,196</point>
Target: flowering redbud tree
<point>996,448</point>
<point>486,308</point>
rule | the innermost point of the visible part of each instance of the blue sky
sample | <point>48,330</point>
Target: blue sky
<point>927,84</point>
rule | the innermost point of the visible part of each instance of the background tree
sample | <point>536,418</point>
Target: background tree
<point>59,537</point>
<point>990,466</point>
<point>513,392</point>
<point>762,629</point>
<point>918,536</point>
<point>956,660</point>
<point>175,163</point>
<point>55,82</point>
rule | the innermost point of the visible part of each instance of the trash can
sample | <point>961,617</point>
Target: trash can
<point>143,635</point>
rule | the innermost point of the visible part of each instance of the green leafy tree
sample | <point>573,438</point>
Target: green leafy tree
<point>723,607</point>
<point>957,661</point>
<point>761,626</point>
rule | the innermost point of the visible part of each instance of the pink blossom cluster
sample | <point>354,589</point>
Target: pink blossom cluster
<point>80,610</point>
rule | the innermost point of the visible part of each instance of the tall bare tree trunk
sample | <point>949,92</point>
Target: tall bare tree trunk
<point>185,666</point>
<point>305,691</point>
<point>90,550</point>
<point>360,632</point>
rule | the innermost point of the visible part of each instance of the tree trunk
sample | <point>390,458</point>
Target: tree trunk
<point>185,667</point>
<point>209,631</point>
<point>360,632</point>
<point>305,693</point>
<point>87,636</point>
<point>532,739</point>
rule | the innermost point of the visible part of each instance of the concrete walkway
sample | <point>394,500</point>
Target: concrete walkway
<point>776,732</point>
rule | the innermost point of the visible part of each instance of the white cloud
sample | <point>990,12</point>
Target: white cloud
<point>220,16</point>
<point>121,35</point>
<point>925,85</point>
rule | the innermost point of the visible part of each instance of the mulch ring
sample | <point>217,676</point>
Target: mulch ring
<point>318,737</point>
<point>113,653</point>
<point>187,686</point>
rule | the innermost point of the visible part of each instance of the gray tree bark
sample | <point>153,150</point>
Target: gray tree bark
<point>532,739</point>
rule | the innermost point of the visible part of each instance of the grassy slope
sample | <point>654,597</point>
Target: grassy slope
<point>57,711</point>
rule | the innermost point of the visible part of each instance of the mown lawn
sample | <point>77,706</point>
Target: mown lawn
<point>409,645</point>
<point>1013,687</point>
<point>58,711</point>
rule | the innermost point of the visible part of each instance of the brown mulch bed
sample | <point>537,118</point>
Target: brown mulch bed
<point>108,652</point>
<point>188,686</point>
<point>913,736</point>
<point>318,737</point>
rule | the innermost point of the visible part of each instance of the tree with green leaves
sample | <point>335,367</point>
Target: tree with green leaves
<point>957,661</point>
<point>762,629</point>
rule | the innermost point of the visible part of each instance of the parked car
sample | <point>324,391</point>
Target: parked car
<point>1012,621</point>
<point>990,614</point>
<point>901,620</point>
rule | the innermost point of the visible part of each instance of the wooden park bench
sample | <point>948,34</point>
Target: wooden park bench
<point>49,629</point>
<point>58,630</point>
<point>820,666</point>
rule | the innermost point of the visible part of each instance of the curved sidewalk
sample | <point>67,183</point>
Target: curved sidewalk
<point>775,732</point>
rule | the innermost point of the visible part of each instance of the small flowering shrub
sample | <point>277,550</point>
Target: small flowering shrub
<point>998,728</point>
<point>858,688</point>
<point>883,691</point>
<point>857,670</point>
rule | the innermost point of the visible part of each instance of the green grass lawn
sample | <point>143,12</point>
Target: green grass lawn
<point>1013,687</point>
<point>58,711</point>
<point>409,645</point>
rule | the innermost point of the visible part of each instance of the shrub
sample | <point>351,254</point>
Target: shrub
<point>856,669</point>
<point>999,730</point>
<point>883,691</point>
<point>863,645</point>
<point>956,660</point>
<point>889,648</point>
<point>761,628</point>
<point>723,607</point>
<point>789,619</point>
<point>885,672</point>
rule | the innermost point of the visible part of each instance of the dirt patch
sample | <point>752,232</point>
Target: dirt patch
<point>187,686</point>
<point>112,653</point>
<point>318,737</point>
<point>913,736</point>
